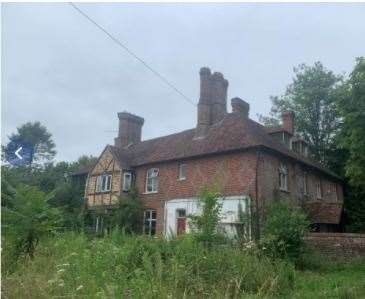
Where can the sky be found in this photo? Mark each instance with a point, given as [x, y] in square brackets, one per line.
[61, 70]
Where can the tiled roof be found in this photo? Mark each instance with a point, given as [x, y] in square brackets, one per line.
[324, 212]
[233, 132]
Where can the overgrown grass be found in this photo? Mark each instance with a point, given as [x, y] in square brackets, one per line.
[121, 266]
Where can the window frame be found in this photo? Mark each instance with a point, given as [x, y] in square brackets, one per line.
[319, 195]
[181, 174]
[283, 177]
[103, 183]
[153, 180]
[152, 222]
[126, 188]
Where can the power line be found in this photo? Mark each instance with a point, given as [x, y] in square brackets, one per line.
[118, 42]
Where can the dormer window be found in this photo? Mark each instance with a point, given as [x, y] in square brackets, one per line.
[103, 183]
[152, 180]
[127, 181]
[283, 178]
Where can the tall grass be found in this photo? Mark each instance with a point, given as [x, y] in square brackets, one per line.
[122, 266]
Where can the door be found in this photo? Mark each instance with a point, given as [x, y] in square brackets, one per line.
[180, 221]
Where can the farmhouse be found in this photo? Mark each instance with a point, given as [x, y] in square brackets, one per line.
[250, 163]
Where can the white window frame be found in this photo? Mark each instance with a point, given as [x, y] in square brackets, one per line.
[319, 190]
[152, 180]
[127, 181]
[182, 171]
[283, 177]
[148, 217]
[103, 183]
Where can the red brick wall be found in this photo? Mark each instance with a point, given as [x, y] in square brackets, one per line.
[337, 244]
[234, 173]
[268, 181]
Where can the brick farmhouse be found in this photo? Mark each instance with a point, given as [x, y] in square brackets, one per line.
[251, 164]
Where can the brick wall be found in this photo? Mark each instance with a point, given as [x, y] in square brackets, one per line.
[234, 173]
[337, 244]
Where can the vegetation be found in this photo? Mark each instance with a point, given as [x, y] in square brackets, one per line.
[29, 219]
[283, 232]
[205, 225]
[329, 111]
[38, 137]
[121, 265]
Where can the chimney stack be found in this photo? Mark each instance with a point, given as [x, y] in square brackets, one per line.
[288, 121]
[130, 129]
[241, 107]
[212, 106]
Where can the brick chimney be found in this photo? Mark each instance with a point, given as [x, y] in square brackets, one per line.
[288, 121]
[212, 106]
[241, 107]
[130, 129]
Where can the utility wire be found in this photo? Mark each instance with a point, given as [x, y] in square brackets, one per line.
[118, 42]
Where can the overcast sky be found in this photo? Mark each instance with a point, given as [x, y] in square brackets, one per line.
[59, 69]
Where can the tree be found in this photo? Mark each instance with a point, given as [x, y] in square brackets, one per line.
[38, 137]
[352, 108]
[312, 96]
[352, 141]
[29, 219]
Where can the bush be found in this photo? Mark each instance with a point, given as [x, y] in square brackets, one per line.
[29, 219]
[205, 225]
[283, 231]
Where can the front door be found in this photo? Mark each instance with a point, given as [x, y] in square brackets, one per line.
[180, 221]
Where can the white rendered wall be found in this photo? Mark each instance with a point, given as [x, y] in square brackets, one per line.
[229, 213]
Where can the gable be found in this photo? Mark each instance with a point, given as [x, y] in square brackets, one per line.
[107, 162]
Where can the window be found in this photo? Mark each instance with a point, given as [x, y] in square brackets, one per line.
[103, 183]
[283, 178]
[334, 191]
[319, 190]
[127, 181]
[182, 171]
[152, 180]
[305, 183]
[149, 227]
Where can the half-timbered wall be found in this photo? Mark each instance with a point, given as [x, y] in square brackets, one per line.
[106, 165]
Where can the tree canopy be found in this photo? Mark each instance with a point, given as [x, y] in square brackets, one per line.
[312, 95]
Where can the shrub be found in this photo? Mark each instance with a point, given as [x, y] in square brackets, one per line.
[205, 225]
[128, 215]
[283, 231]
[29, 219]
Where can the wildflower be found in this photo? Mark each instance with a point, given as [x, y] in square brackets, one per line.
[79, 287]
[73, 253]
[61, 271]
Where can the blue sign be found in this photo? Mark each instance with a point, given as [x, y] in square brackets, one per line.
[19, 153]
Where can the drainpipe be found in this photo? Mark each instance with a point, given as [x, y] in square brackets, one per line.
[257, 233]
